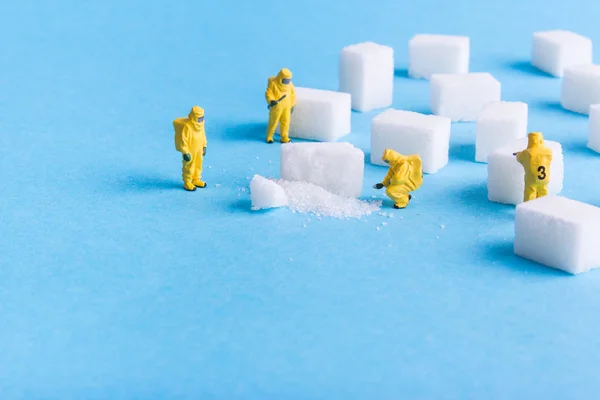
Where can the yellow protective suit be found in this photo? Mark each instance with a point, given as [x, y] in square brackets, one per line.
[281, 112]
[536, 161]
[404, 176]
[190, 138]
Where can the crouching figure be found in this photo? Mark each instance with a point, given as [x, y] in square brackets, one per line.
[405, 175]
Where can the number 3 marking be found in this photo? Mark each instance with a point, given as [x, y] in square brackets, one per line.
[542, 170]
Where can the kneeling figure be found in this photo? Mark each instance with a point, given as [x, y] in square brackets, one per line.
[405, 175]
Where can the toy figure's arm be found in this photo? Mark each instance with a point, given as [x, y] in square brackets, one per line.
[293, 95]
[388, 177]
[185, 140]
[269, 95]
[520, 156]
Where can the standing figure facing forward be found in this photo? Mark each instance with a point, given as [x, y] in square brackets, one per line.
[536, 161]
[190, 140]
[281, 99]
[404, 176]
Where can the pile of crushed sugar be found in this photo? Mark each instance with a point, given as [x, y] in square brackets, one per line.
[307, 198]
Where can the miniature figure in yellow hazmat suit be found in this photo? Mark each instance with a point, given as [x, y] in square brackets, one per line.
[404, 176]
[190, 140]
[536, 161]
[281, 99]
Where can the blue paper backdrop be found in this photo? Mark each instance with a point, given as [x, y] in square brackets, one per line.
[117, 284]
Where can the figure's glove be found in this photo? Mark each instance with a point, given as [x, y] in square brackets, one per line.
[514, 154]
[378, 186]
[187, 157]
[204, 151]
[273, 103]
[292, 111]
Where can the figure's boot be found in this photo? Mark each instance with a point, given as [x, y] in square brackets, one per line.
[198, 183]
[189, 186]
[402, 201]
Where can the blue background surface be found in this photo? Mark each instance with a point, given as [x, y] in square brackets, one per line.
[116, 283]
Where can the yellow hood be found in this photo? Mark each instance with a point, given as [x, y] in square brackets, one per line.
[193, 116]
[535, 139]
[283, 74]
[392, 156]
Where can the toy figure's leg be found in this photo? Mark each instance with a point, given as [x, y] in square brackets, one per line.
[197, 172]
[187, 174]
[274, 116]
[285, 124]
[542, 191]
[399, 195]
[530, 193]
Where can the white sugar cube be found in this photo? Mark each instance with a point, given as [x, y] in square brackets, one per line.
[498, 124]
[580, 88]
[321, 115]
[266, 194]
[367, 73]
[558, 232]
[506, 177]
[594, 128]
[553, 51]
[437, 54]
[409, 132]
[461, 97]
[337, 167]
